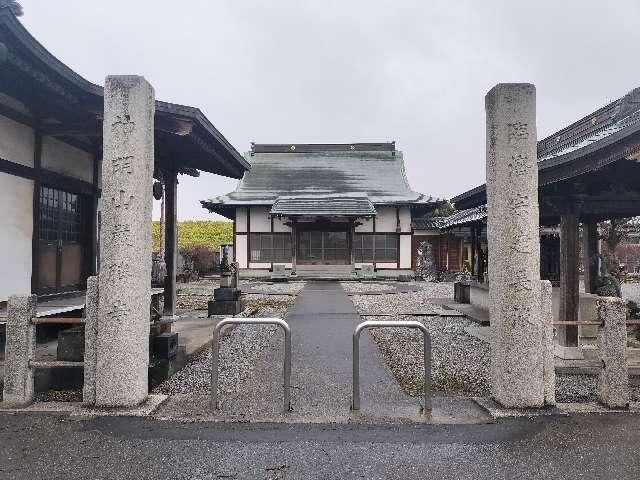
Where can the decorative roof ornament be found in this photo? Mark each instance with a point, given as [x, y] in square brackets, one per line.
[12, 5]
[627, 105]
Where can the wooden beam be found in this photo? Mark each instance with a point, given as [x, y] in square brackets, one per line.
[63, 129]
[569, 279]
[173, 125]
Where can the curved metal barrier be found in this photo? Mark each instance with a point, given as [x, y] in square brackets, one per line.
[355, 405]
[252, 321]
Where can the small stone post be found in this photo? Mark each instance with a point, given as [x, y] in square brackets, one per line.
[90, 338]
[613, 378]
[548, 347]
[122, 343]
[19, 349]
[517, 366]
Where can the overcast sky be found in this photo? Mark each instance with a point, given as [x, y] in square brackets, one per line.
[353, 71]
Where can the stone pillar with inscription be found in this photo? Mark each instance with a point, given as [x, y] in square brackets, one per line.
[122, 344]
[517, 365]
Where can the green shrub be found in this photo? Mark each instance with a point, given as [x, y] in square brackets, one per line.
[608, 286]
[204, 258]
[197, 232]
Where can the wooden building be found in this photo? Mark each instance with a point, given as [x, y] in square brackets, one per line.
[323, 208]
[588, 172]
[50, 167]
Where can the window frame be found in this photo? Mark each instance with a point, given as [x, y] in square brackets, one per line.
[379, 244]
[272, 247]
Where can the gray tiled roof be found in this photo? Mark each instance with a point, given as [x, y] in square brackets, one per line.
[378, 175]
[343, 205]
[462, 217]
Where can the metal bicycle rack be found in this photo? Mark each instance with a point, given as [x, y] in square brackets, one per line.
[252, 321]
[427, 358]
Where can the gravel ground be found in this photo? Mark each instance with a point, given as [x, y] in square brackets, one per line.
[195, 295]
[359, 287]
[435, 290]
[238, 351]
[285, 288]
[460, 362]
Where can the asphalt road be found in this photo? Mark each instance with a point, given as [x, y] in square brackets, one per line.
[50, 447]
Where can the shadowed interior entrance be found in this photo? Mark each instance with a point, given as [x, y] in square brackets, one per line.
[323, 247]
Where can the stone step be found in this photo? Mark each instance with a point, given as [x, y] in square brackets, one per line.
[332, 272]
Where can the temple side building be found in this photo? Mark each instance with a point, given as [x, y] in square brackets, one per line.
[323, 208]
[51, 165]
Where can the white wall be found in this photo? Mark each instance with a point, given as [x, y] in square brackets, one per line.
[241, 220]
[241, 250]
[386, 219]
[16, 198]
[67, 160]
[405, 219]
[279, 226]
[405, 251]
[367, 225]
[259, 220]
[16, 142]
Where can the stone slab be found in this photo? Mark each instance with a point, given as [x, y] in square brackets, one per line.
[513, 236]
[71, 345]
[498, 411]
[226, 294]
[125, 238]
[225, 308]
[77, 409]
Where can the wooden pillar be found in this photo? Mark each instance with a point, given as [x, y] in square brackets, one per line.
[350, 243]
[93, 224]
[171, 242]
[474, 266]
[294, 245]
[569, 280]
[35, 236]
[480, 254]
[590, 255]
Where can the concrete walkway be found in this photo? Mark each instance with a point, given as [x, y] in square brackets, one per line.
[322, 321]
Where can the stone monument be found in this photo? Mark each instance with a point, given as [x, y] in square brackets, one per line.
[122, 343]
[613, 377]
[90, 338]
[517, 360]
[21, 343]
[226, 298]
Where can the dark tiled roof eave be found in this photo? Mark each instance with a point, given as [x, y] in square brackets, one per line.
[337, 206]
[457, 219]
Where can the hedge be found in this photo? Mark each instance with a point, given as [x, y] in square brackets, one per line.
[197, 232]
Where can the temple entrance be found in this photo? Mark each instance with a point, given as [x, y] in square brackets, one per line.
[62, 241]
[323, 247]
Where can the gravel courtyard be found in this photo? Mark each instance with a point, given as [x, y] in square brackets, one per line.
[240, 346]
[460, 361]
